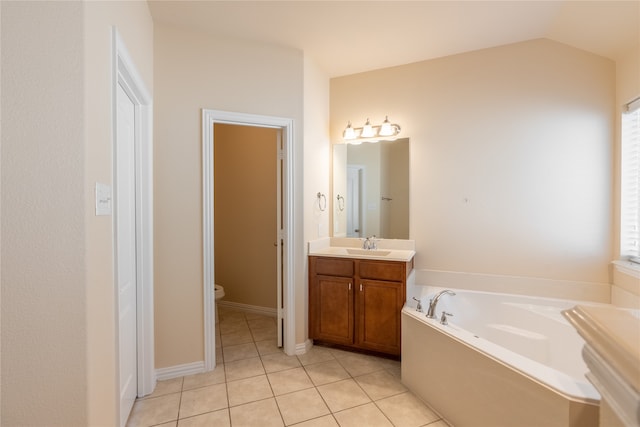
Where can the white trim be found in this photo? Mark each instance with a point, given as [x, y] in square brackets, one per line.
[180, 370]
[209, 118]
[124, 73]
[247, 308]
[627, 267]
[304, 347]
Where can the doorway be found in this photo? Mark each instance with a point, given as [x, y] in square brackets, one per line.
[285, 238]
[246, 215]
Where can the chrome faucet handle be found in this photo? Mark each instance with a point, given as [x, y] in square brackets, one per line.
[366, 244]
[419, 307]
[443, 318]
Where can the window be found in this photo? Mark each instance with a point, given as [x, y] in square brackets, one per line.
[630, 182]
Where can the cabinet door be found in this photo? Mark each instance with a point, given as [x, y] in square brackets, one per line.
[379, 304]
[332, 316]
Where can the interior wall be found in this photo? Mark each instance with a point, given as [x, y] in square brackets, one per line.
[511, 157]
[245, 213]
[393, 185]
[195, 71]
[314, 169]
[44, 347]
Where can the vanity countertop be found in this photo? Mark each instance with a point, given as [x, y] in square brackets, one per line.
[342, 247]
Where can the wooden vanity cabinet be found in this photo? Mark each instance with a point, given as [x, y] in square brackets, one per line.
[357, 302]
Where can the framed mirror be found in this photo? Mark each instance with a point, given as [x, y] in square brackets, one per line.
[371, 189]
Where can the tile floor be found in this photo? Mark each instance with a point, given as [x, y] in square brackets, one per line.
[256, 384]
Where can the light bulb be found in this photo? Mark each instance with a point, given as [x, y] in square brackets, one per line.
[367, 130]
[349, 132]
[386, 129]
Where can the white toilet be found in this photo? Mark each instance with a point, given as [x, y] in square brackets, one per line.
[218, 295]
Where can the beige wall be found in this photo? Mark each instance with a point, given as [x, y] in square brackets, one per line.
[195, 71]
[511, 157]
[44, 346]
[58, 329]
[245, 213]
[312, 174]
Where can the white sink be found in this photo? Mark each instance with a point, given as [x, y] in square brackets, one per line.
[368, 252]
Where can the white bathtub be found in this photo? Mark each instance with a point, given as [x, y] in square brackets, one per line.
[502, 360]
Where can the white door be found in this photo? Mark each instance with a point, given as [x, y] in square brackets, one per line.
[125, 231]
[353, 202]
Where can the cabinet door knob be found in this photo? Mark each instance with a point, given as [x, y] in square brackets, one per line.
[349, 285]
[360, 287]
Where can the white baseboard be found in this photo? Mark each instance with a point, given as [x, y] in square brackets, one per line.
[247, 308]
[520, 285]
[304, 347]
[179, 370]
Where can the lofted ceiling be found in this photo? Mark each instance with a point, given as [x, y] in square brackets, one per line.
[347, 37]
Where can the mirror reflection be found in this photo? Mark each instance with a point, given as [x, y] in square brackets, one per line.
[371, 189]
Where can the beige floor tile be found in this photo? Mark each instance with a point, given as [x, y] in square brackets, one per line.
[248, 390]
[169, 424]
[237, 338]
[204, 379]
[262, 322]
[263, 413]
[439, 423]
[395, 371]
[240, 351]
[244, 368]
[263, 334]
[157, 410]
[251, 316]
[337, 353]
[173, 385]
[326, 372]
[279, 362]
[217, 418]
[230, 316]
[343, 395]
[269, 346]
[201, 400]
[219, 356]
[360, 364]
[301, 406]
[316, 355]
[406, 410]
[227, 328]
[326, 421]
[366, 415]
[289, 381]
[380, 384]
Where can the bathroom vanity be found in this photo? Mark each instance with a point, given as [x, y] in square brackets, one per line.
[356, 300]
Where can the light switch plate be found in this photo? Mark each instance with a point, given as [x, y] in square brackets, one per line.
[103, 199]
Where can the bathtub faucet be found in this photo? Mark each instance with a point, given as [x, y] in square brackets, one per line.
[431, 312]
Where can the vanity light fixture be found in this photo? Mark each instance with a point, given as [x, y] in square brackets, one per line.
[387, 131]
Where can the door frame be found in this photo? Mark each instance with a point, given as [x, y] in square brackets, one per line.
[125, 74]
[209, 118]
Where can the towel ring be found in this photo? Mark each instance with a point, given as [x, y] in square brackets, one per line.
[322, 201]
[340, 203]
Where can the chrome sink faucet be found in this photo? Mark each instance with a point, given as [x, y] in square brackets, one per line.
[431, 312]
[370, 243]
